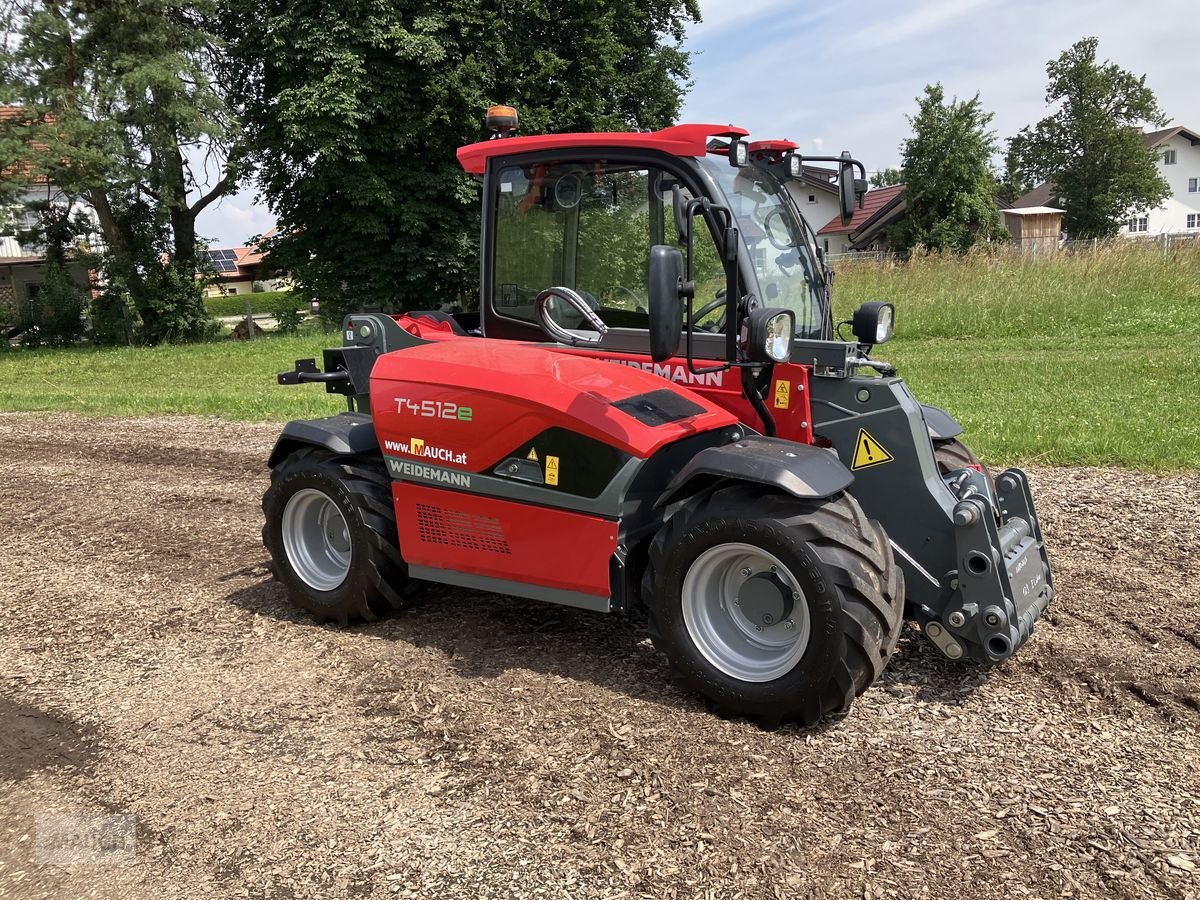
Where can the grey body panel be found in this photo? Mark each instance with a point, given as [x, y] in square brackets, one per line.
[797, 469]
[346, 433]
[513, 588]
[985, 612]
[942, 426]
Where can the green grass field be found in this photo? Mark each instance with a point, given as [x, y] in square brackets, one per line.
[1080, 360]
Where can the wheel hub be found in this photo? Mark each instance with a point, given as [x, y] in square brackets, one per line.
[745, 612]
[316, 539]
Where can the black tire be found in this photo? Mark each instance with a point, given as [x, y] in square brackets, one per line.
[843, 563]
[361, 490]
[953, 454]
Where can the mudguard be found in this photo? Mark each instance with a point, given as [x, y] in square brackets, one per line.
[797, 469]
[942, 426]
[346, 433]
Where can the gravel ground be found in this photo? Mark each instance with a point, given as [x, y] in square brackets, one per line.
[479, 746]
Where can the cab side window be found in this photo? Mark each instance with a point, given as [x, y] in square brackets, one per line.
[589, 227]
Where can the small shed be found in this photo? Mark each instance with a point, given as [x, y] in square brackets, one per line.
[1035, 229]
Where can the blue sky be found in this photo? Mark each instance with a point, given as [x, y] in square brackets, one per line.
[836, 77]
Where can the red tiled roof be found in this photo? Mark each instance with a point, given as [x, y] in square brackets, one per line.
[873, 203]
[21, 168]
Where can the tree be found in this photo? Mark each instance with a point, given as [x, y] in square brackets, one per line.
[950, 191]
[1090, 149]
[120, 98]
[886, 177]
[355, 110]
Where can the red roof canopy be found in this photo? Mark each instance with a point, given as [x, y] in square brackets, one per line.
[678, 140]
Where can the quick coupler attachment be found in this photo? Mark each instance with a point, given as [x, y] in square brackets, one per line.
[1003, 582]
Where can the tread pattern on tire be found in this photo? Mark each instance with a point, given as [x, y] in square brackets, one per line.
[367, 483]
[855, 552]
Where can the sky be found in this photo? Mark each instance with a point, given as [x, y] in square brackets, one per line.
[835, 77]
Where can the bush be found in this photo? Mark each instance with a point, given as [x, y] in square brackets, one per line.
[290, 321]
[273, 302]
[55, 315]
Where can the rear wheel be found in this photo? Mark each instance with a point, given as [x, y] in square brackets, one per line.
[331, 531]
[774, 608]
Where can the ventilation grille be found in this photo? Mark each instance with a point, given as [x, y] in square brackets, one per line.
[460, 529]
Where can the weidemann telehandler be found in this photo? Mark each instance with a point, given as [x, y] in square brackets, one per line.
[651, 410]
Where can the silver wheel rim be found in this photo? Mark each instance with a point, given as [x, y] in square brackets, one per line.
[316, 539]
[745, 612]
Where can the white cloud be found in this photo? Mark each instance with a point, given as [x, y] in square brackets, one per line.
[233, 220]
[922, 20]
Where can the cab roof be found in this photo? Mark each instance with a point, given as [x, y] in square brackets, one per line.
[678, 140]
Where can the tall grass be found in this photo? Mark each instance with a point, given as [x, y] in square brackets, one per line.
[1121, 288]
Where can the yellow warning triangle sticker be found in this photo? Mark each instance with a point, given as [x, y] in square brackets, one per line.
[868, 452]
[532, 455]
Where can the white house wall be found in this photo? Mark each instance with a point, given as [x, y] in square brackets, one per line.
[1171, 217]
[818, 212]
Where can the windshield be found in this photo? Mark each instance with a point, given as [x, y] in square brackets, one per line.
[776, 239]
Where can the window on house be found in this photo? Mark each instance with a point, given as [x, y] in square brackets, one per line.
[1193, 185]
[1137, 223]
[1169, 158]
[229, 292]
[812, 198]
[1193, 220]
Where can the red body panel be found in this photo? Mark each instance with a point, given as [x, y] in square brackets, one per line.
[789, 403]
[503, 539]
[470, 402]
[679, 140]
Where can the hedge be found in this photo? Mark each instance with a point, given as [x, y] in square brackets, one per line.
[273, 302]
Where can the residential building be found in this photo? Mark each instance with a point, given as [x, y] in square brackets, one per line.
[1178, 150]
[239, 268]
[816, 194]
[23, 265]
[867, 228]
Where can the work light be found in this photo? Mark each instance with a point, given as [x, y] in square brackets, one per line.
[795, 165]
[739, 153]
[872, 322]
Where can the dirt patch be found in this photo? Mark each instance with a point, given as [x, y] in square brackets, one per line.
[481, 746]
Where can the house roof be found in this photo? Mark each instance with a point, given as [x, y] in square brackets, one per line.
[1154, 138]
[20, 168]
[876, 203]
[1039, 196]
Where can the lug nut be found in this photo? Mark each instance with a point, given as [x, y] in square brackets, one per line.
[956, 619]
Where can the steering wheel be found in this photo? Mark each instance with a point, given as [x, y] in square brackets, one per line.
[710, 306]
[780, 240]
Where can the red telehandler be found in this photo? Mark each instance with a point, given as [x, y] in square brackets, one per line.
[651, 409]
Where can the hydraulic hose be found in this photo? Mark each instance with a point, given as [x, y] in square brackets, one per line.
[750, 389]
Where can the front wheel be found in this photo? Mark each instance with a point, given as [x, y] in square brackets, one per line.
[774, 608]
[331, 531]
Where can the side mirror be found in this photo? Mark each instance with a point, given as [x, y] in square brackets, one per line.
[666, 301]
[767, 335]
[848, 187]
[563, 295]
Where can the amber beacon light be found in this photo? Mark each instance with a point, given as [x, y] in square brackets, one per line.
[502, 120]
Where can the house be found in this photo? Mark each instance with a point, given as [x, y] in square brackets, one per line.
[23, 265]
[1178, 150]
[238, 269]
[867, 228]
[815, 193]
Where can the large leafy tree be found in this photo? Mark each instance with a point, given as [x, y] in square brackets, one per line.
[355, 110]
[123, 110]
[950, 191]
[1091, 149]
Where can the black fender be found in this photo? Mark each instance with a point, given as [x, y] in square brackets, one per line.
[346, 433]
[798, 469]
[942, 426]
